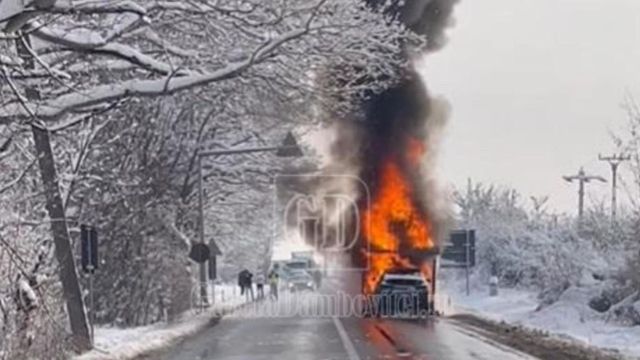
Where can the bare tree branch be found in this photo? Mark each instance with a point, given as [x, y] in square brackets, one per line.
[19, 178]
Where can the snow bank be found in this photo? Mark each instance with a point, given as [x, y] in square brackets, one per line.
[569, 316]
[127, 343]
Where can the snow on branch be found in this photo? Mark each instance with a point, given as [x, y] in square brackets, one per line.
[154, 38]
[135, 57]
[182, 45]
[26, 295]
[105, 93]
[94, 43]
[10, 61]
[104, 7]
[54, 108]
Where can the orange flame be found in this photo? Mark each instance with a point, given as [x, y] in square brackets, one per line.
[393, 225]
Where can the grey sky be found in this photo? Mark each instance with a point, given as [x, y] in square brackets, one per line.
[536, 86]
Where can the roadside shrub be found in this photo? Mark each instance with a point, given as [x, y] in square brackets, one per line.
[524, 247]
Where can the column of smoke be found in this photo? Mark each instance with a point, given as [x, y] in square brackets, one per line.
[403, 110]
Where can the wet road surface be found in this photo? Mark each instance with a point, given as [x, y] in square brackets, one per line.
[283, 334]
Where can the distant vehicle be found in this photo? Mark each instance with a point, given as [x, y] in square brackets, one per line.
[402, 293]
[299, 280]
[299, 264]
[303, 260]
[283, 271]
[302, 254]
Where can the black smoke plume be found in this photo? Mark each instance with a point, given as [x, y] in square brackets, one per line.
[389, 120]
[426, 17]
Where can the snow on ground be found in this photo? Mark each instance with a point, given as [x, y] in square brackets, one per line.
[127, 343]
[569, 317]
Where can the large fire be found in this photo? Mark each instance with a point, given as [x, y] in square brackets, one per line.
[395, 230]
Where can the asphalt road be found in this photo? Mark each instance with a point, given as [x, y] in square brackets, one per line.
[271, 330]
[298, 338]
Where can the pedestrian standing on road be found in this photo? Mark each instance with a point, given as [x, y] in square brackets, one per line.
[273, 283]
[241, 281]
[250, 283]
[249, 286]
[244, 280]
[260, 284]
[317, 278]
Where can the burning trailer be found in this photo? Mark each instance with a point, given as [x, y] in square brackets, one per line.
[398, 231]
[390, 144]
[408, 214]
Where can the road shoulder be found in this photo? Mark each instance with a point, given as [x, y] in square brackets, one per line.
[534, 342]
[147, 342]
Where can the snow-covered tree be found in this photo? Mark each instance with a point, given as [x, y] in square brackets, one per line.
[627, 225]
[523, 247]
[86, 55]
[231, 73]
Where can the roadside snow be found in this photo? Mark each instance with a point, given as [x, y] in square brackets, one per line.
[569, 317]
[127, 343]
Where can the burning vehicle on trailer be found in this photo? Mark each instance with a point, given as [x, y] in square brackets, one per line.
[406, 291]
[401, 292]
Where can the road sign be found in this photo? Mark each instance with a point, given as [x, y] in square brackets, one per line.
[89, 248]
[289, 147]
[199, 253]
[213, 247]
[213, 268]
[460, 252]
[213, 264]
[461, 249]
[89, 262]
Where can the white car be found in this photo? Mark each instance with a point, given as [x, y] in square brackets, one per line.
[299, 280]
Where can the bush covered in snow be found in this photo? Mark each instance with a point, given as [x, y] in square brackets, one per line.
[527, 247]
[522, 247]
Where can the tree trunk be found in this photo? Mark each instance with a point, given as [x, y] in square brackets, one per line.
[64, 255]
[60, 232]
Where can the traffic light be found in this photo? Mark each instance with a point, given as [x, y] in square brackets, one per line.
[89, 248]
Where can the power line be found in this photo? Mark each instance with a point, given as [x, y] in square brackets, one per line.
[614, 160]
[582, 178]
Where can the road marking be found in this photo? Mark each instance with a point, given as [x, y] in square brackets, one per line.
[348, 345]
[400, 351]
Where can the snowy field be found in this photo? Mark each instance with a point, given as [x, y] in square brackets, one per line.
[127, 343]
[570, 317]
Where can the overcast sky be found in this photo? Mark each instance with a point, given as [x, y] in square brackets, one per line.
[536, 87]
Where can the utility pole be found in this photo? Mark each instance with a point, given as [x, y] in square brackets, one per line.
[67, 273]
[582, 179]
[289, 148]
[614, 160]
